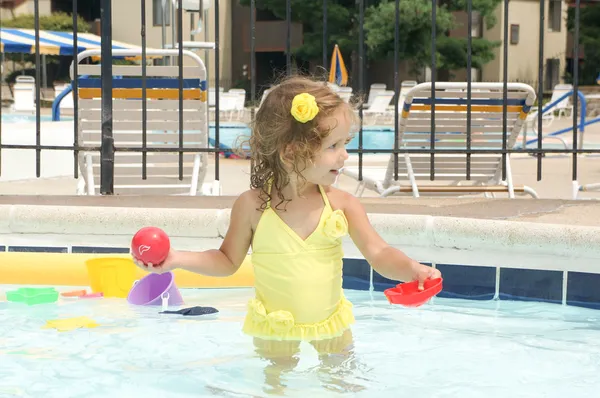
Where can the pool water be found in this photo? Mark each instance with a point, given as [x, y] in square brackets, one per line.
[373, 138]
[235, 135]
[27, 118]
[448, 348]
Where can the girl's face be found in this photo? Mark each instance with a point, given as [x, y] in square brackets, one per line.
[326, 165]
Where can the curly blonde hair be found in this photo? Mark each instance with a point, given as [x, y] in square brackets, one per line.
[274, 129]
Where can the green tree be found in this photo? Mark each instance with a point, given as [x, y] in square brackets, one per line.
[589, 38]
[342, 18]
[415, 33]
[415, 29]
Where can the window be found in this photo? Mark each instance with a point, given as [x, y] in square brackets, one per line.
[476, 24]
[555, 15]
[552, 73]
[514, 34]
[157, 12]
[266, 15]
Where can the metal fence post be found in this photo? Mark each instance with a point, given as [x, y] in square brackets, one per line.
[107, 151]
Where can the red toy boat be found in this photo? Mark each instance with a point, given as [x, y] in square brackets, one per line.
[409, 295]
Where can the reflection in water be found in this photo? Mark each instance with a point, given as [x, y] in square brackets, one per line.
[338, 368]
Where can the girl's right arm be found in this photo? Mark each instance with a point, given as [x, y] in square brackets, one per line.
[228, 258]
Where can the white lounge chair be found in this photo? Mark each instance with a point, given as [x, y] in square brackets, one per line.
[565, 105]
[379, 110]
[24, 94]
[374, 90]
[345, 93]
[162, 128]
[239, 103]
[450, 133]
[212, 100]
[228, 105]
[263, 97]
[405, 87]
[594, 187]
[531, 123]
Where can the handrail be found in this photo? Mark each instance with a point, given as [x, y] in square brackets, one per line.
[581, 125]
[56, 103]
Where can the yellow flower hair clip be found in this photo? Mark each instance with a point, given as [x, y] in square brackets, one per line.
[304, 107]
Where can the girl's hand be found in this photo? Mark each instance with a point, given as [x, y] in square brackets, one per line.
[423, 273]
[165, 266]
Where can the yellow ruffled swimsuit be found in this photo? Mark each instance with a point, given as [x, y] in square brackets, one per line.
[298, 282]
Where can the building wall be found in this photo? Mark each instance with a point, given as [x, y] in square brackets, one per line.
[126, 27]
[523, 57]
[555, 43]
[492, 71]
[270, 45]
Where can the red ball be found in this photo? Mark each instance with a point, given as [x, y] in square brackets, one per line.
[150, 245]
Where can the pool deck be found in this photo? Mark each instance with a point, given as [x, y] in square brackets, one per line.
[551, 211]
[554, 190]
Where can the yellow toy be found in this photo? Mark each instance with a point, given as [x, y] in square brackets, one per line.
[68, 324]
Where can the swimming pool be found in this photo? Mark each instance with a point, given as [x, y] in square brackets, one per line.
[375, 137]
[511, 338]
[232, 135]
[11, 118]
[447, 348]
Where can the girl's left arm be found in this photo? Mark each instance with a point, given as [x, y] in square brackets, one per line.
[386, 260]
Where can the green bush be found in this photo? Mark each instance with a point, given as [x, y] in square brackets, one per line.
[58, 21]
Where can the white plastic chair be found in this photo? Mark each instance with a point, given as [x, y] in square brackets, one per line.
[24, 94]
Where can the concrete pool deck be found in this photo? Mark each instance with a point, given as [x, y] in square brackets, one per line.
[546, 211]
[454, 232]
[554, 189]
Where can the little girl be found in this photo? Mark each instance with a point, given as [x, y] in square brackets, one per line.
[294, 221]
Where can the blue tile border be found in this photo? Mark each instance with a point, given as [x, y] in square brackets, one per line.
[356, 274]
[478, 282]
[380, 282]
[583, 290]
[354, 283]
[37, 249]
[468, 281]
[99, 250]
[472, 282]
[531, 285]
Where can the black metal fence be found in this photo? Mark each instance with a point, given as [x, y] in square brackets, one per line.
[107, 148]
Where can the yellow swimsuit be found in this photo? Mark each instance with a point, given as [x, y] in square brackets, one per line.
[298, 282]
